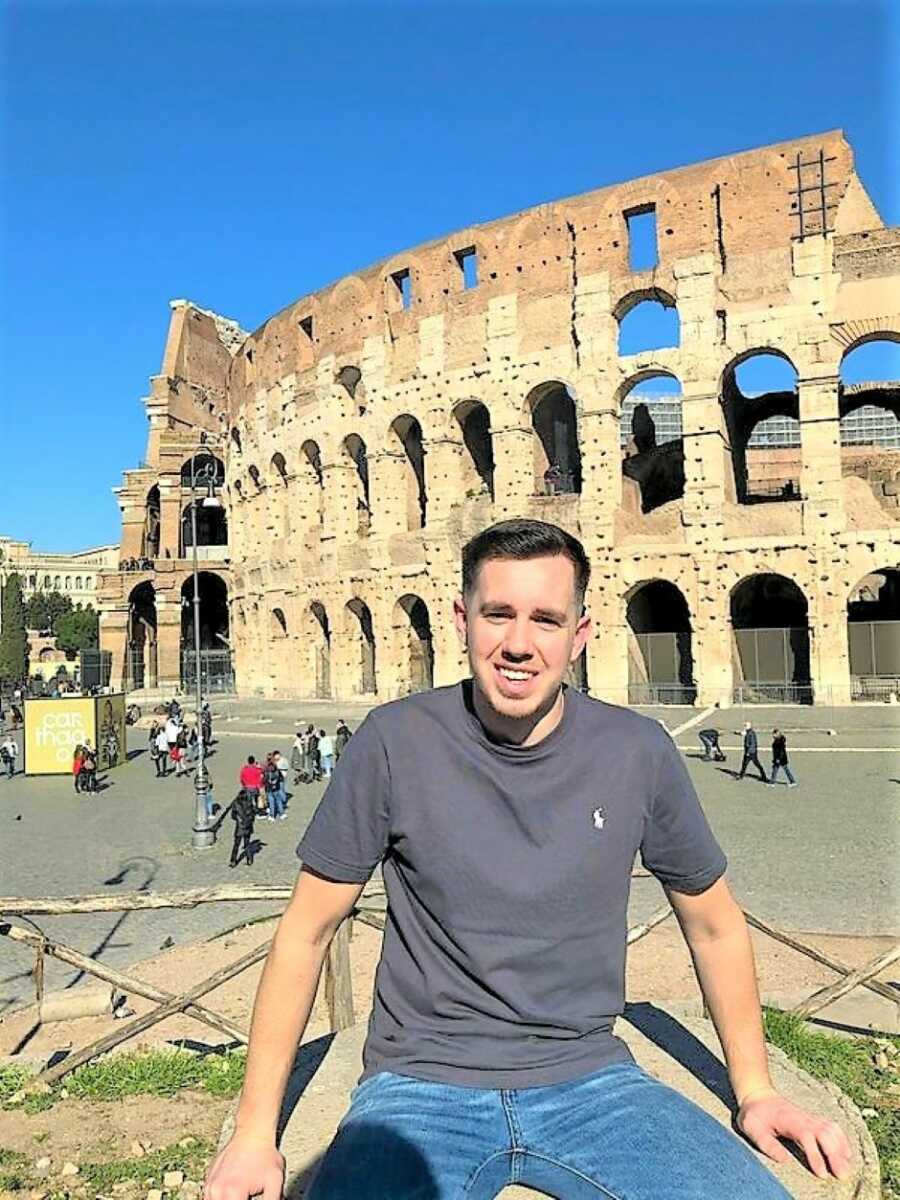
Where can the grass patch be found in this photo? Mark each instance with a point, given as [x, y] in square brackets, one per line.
[856, 1065]
[144, 1073]
[192, 1160]
[13, 1170]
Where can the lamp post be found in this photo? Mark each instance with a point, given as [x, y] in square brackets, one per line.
[203, 835]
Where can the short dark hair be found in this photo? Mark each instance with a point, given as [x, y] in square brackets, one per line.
[522, 539]
[250, 758]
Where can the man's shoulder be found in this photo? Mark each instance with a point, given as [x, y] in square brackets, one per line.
[614, 720]
[402, 717]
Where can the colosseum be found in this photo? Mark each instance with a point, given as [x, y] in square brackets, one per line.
[330, 465]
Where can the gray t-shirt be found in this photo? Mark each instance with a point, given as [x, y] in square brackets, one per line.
[507, 871]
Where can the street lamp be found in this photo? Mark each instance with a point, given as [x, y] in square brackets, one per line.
[203, 835]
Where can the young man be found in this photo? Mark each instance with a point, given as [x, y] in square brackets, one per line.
[251, 780]
[506, 812]
[243, 813]
[780, 758]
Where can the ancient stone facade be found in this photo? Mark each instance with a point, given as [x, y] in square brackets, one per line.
[370, 429]
[76, 575]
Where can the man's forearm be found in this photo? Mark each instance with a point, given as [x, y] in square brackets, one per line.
[284, 1000]
[727, 976]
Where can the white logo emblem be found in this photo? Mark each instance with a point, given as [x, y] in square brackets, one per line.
[599, 818]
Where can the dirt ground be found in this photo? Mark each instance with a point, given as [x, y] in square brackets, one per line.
[659, 970]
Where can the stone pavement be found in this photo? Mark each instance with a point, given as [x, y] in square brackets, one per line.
[801, 858]
[682, 1052]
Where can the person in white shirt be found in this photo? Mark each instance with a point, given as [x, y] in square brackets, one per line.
[326, 753]
[171, 731]
[162, 750]
[9, 751]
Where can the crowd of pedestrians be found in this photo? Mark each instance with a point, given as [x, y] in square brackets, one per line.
[263, 791]
[709, 740]
[173, 743]
[84, 767]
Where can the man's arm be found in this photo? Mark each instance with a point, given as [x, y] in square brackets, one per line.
[251, 1164]
[719, 941]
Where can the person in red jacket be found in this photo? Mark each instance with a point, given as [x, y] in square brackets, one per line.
[251, 778]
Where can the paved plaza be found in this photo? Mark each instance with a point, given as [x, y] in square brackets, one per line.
[821, 857]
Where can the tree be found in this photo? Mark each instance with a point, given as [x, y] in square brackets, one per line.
[37, 612]
[13, 639]
[78, 630]
[57, 606]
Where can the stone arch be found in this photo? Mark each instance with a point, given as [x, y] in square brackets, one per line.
[213, 595]
[212, 527]
[68, 583]
[256, 478]
[477, 460]
[648, 320]
[760, 476]
[235, 435]
[278, 623]
[406, 434]
[313, 478]
[660, 644]
[320, 648]
[206, 470]
[279, 466]
[651, 439]
[350, 378]
[361, 636]
[141, 655]
[771, 646]
[413, 644]
[355, 449]
[78, 583]
[873, 635]
[557, 453]
[151, 532]
[869, 407]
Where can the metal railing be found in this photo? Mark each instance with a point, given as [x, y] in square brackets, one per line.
[775, 692]
[661, 693]
[885, 688]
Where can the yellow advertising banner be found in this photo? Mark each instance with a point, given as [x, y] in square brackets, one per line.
[53, 728]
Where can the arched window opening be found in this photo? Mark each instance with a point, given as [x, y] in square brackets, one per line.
[869, 403]
[140, 667]
[314, 480]
[413, 645]
[769, 619]
[650, 434]
[478, 451]
[348, 377]
[279, 623]
[253, 472]
[215, 647]
[647, 321]
[150, 536]
[205, 470]
[362, 633]
[873, 636]
[47, 581]
[78, 583]
[355, 449]
[408, 432]
[321, 649]
[212, 529]
[557, 456]
[280, 467]
[56, 582]
[68, 583]
[236, 438]
[660, 645]
[761, 408]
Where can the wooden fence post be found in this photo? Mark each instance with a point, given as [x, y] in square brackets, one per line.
[338, 981]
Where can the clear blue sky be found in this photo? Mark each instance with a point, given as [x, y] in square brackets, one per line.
[245, 154]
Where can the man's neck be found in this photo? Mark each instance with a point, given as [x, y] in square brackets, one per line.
[527, 731]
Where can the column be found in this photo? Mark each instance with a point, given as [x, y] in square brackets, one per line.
[513, 471]
[820, 457]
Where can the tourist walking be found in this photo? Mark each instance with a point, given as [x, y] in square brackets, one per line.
[709, 740]
[9, 751]
[251, 780]
[326, 753]
[780, 758]
[179, 751]
[77, 763]
[751, 753]
[206, 723]
[273, 784]
[243, 813]
[162, 753]
[88, 773]
[298, 756]
[488, 1059]
[172, 726]
[314, 762]
[342, 736]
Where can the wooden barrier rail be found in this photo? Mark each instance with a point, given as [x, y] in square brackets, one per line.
[337, 983]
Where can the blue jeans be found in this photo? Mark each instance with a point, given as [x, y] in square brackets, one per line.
[776, 767]
[617, 1134]
[277, 801]
[327, 765]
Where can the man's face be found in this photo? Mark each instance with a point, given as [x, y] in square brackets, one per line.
[522, 630]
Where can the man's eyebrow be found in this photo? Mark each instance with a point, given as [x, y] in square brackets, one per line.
[503, 606]
[553, 613]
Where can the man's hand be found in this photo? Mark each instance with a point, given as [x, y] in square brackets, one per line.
[246, 1167]
[765, 1116]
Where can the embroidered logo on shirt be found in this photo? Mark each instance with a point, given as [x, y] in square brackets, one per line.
[599, 818]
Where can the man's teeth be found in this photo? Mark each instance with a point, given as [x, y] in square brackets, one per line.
[517, 675]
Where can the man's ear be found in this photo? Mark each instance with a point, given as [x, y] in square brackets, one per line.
[460, 620]
[582, 633]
